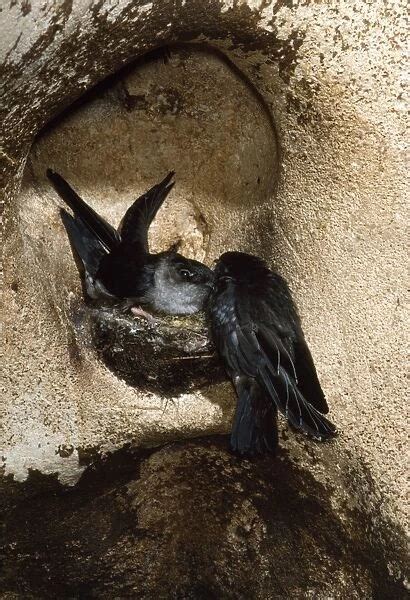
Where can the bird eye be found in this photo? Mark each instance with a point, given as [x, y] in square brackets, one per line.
[185, 274]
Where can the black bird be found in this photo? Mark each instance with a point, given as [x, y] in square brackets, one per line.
[118, 266]
[257, 332]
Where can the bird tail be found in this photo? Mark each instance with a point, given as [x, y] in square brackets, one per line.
[290, 401]
[136, 221]
[98, 228]
[254, 429]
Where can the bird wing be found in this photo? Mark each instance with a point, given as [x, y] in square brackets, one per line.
[88, 247]
[277, 371]
[134, 226]
[308, 381]
[276, 311]
[253, 347]
[97, 226]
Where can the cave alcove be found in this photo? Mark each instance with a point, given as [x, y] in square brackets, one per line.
[330, 218]
[194, 113]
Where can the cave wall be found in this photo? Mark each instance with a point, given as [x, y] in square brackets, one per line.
[330, 219]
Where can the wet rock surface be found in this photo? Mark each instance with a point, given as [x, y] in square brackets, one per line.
[190, 521]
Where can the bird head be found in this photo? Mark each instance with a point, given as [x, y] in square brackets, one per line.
[181, 285]
[187, 270]
[237, 265]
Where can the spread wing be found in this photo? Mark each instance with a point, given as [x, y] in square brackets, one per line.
[98, 227]
[88, 247]
[134, 226]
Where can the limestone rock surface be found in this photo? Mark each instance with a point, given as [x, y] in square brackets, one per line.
[286, 124]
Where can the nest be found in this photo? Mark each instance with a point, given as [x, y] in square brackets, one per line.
[170, 356]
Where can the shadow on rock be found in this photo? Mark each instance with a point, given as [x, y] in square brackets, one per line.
[188, 521]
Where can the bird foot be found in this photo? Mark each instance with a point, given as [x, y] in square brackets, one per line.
[139, 312]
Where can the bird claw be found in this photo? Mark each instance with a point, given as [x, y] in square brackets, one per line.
[137, 311]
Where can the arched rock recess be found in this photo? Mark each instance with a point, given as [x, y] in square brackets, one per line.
[330, 77]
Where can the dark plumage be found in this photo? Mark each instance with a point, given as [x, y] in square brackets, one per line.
[118, 266]
[257, 331]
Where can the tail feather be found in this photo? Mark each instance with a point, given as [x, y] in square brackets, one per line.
[254, 429]
[136, 221]
[99, 227]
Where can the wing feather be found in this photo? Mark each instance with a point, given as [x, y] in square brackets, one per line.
[98, 227]
[259, 351]
[134, 226]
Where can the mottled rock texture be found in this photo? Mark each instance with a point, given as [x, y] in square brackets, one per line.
[191, 521]
[285, 123]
